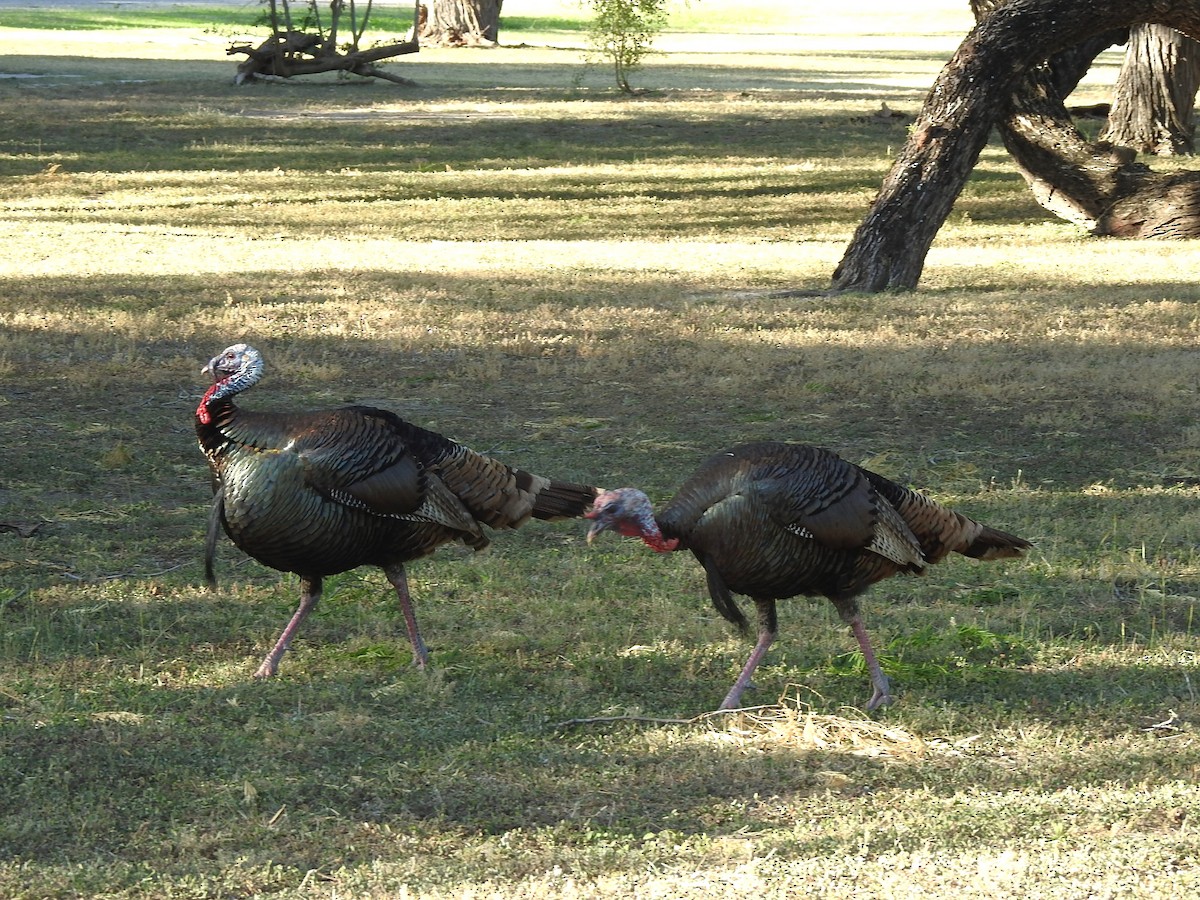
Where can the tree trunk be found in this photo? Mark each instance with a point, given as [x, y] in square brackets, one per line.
[970, 95]
[462, 23]
[1153, 108]
[1097, 186]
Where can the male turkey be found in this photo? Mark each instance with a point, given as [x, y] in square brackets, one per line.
[317, 493]
[773, 520]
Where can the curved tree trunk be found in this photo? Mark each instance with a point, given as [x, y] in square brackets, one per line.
[1097, 186]
[1153, 108]
[462, 23]
[970, 95]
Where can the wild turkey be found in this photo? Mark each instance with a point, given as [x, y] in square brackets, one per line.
[773, 520]
[317, 493]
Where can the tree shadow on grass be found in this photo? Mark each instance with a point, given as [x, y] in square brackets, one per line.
[76, 458]
[502, 71]
[155, 125]
[125, 733]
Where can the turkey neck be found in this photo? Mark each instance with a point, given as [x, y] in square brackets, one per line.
[215, 412]
[217, 402]
[219, 421]
[227, 425]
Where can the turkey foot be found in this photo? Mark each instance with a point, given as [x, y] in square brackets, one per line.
[882, 695]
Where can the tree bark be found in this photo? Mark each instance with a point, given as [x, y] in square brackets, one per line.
[462, 23]
[1153, 108]
[970, 95]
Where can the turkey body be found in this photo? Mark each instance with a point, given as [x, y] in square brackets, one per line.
[326, 492]
[318, 493]
[774, 520]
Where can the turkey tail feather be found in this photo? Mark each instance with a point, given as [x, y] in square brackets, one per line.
[563, 500]
[941, 530]
[992, 543]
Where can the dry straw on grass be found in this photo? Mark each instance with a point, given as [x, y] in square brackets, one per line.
[794, 724]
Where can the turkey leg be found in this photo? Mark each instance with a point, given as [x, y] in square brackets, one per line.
[883, 691]
[399, 580]
[310, 593]
[734, 697]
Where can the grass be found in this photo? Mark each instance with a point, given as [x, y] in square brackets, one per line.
[518, 256]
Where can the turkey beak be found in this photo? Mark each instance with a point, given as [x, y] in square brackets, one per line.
[214, 369]
[599, 524]
[211, 369]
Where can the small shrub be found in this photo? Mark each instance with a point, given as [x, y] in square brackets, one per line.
[623, 31]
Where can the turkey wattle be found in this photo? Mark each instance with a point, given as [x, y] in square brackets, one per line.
[317, 493]
[775, 520]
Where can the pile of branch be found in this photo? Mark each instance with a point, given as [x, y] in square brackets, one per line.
[289, 52]
[283, 55]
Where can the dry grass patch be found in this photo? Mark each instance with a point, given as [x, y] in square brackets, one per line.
[794, 724]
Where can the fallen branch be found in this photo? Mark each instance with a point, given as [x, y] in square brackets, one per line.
[287, 53]
[115, 576]
[651, 720]
[285, 57]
